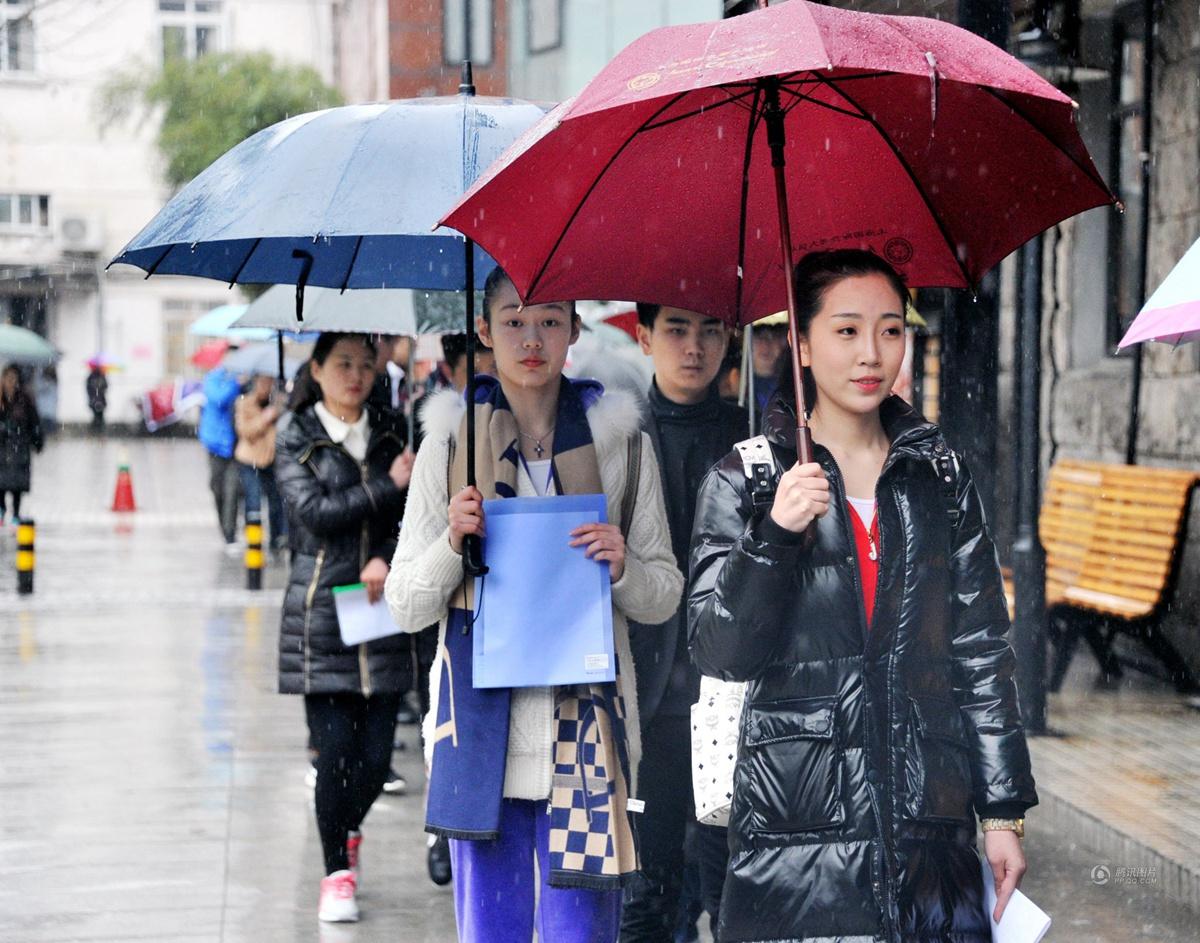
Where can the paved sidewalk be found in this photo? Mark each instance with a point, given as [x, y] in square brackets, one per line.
[1121, 773]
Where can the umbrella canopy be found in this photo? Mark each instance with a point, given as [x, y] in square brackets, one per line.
[259, 360]
[19, 345]
[348, 197]
[1172, 315]
[367, 311]
[219, 322]
[904, 135]
[209, 354]
[105, 361]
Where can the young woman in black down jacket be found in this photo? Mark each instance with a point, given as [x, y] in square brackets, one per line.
[343, 471]
[863, 604]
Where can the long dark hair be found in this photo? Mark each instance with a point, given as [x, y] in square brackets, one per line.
[814, 275]
[306, 391]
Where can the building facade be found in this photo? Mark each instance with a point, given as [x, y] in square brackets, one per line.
[74, 189]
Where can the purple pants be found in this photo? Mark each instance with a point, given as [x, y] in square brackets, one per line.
[494, 888]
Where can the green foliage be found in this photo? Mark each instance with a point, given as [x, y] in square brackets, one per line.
[211, 103]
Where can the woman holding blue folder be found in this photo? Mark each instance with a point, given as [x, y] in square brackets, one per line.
[539, 774]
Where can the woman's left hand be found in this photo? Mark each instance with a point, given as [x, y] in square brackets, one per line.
[603, 542]
[372, 576]
[1007, 860]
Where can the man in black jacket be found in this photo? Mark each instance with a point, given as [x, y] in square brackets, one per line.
[692, 428]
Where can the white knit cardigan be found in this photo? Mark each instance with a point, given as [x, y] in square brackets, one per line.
[426, 570]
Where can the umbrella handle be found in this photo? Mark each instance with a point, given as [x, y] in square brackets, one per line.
[472, 547]
[306, 265]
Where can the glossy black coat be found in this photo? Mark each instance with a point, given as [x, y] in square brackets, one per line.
[341, 513]
[864, 754]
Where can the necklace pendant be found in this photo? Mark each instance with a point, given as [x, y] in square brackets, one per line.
[538, 450]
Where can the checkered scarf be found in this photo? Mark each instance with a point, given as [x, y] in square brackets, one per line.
[591, 838]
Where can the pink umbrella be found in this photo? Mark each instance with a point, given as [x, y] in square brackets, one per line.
[1172, 315]
[704, 158]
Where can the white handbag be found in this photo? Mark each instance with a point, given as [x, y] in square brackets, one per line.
[716, 728]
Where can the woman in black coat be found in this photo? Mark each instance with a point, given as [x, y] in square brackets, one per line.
[863, 603]
[20, 437]
[342, 470]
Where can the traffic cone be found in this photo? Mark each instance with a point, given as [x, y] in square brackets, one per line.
[123, 495]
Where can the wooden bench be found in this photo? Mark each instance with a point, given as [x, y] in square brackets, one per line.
[1111, 535]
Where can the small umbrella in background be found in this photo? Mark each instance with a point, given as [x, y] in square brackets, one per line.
[1172, 313]
[105, 362]
[209, 354]
[258, 360]
[19, 345]
[219, 322]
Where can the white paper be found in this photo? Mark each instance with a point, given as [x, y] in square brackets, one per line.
[1023, 920]
[358, 620]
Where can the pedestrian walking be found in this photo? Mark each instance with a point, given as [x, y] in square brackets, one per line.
[96, 387]
[221, 390]
[46, 397]
[343, 469]
[512, 770]
[861, 598]
[692, 429]
[20, 437]
[254, 418]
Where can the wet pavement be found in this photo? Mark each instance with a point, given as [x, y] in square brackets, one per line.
[151, 781]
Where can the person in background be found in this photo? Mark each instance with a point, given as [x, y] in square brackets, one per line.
[20, 437]
[343, 470]
[47, 398]
[254, 418]
[97, 397]
[770, 343]
[216, 434]
[691, 428]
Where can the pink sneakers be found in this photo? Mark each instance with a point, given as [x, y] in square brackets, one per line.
[338, 904]
[353, 846]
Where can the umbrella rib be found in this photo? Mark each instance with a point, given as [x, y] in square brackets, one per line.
[911, 176]
[752, 126]
[157, 262]
[245, 261]
[800, 98]
[562, 233]
[731, 100]
[350, 268]
[1095, 178]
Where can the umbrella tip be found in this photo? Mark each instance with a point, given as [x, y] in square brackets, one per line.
[466, 85]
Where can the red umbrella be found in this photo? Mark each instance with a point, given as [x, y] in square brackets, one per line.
[670, 176]
[210, 353]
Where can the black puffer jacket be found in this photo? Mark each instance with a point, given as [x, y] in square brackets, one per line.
[20, 437]
[863, 752]
[340, 515]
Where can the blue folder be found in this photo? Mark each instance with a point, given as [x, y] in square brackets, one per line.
[543, 612]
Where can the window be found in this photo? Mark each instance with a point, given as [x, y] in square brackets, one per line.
[16, 36]
[24, 212]
[462, 18]
[178, 342]
[544, 25]
[190, 28]
[1126, 142]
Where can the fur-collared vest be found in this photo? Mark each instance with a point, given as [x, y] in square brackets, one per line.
[426, 570]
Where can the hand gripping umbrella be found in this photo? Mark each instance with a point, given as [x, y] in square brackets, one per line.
[904, 135]
[348, 197]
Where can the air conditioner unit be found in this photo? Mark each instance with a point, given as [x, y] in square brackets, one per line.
[81, 232]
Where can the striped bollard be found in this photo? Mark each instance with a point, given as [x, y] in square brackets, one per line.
[254, 550]
[25, 556]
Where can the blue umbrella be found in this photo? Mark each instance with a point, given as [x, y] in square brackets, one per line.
[258, 360]
[219, 322]
[343, 198]
[348, 197]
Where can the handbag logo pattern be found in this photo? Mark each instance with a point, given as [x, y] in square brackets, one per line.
[716, 729]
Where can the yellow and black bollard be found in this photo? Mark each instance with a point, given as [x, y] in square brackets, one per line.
[254, 550]
[25, 557]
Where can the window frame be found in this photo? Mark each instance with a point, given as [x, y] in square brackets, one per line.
[490, 19]
[558, 32]
[192, 20]
[12, 11]
[40, 207]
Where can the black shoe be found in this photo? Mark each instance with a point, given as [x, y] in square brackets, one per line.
[438, 860]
